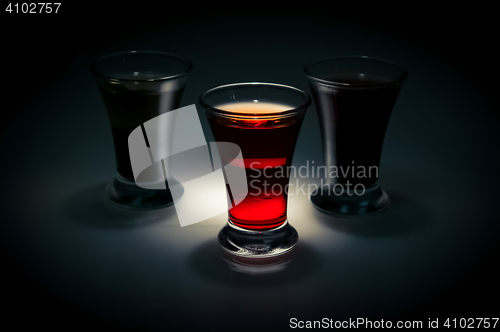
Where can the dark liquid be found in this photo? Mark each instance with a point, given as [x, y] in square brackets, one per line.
[353, 126]
[264, 144]
[128, 110]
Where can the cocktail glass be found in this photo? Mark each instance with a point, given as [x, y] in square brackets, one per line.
[354, 97]
[264, 120]
[137, 86]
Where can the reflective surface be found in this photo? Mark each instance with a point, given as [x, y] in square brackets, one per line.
[76, 261]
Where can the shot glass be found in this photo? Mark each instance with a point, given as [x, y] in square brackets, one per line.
[264, 120]
[137, 86]
[354, 97]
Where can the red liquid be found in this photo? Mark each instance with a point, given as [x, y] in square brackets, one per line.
[267, 147]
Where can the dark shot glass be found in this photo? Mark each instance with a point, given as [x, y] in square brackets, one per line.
[137, 86]
[264, 120]
[354, 97]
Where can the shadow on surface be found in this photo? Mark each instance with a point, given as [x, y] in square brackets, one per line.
[89, 206]
[403, 216]
[211, 262]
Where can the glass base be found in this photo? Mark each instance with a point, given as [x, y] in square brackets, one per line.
[349, 204]
[258, 244]
[260, 266]
[126, 194]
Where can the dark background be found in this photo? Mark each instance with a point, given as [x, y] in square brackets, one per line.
[38, 49]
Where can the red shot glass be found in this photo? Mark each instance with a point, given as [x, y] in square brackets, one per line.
[264, 120]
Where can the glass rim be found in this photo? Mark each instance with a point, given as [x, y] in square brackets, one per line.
[398, 80]
[93, 66]
[214, 110]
